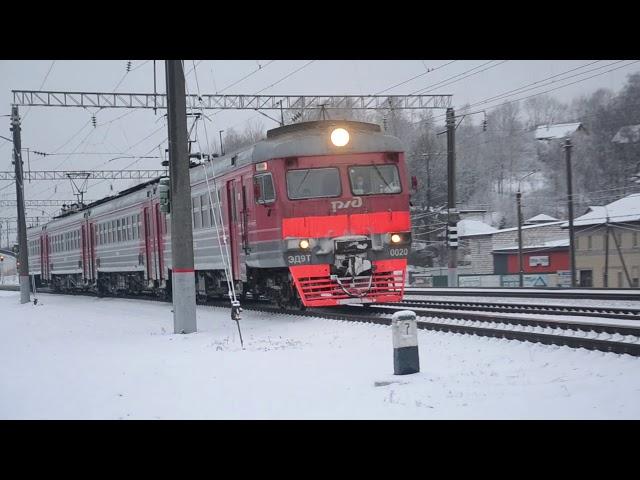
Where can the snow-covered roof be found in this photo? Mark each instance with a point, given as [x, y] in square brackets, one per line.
[470, 227]
[559, 130]
[535, 225]
[550, 244]
[626, 209]
[627, 134]
[541, 218]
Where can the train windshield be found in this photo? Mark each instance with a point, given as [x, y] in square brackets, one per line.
[374, 180]
[313, 183]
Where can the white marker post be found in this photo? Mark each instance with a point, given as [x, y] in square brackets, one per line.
[405, 343]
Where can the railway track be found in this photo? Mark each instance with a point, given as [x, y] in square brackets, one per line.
[539, 309]
[592, 336]
[561, 293]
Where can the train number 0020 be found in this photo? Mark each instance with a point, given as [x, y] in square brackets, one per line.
[398, 252]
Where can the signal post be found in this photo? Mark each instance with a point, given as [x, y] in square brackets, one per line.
[452, 212]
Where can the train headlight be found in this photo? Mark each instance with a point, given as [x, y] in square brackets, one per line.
[339, 137]
[395, 238]
[304, 244]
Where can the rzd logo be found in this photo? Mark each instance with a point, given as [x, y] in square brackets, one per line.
[355, 202]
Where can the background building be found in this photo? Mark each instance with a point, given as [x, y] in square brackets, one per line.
[620, 221]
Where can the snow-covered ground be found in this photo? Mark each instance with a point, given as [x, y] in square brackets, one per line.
[9, 280]
[8, 274]
[84, 357]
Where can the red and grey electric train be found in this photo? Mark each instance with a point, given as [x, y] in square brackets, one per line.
[317, 214]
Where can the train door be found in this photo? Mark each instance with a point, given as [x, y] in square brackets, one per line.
[244, 227]
[158, 233]
[85, 252]
[44, 256]
[235, 234]
[92, 251]
[264, 221]
[148, 244]
[245, 218]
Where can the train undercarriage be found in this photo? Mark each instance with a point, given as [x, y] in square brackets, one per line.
[274, 285]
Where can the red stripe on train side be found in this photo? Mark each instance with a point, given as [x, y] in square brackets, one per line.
[324, 226]
[380, 222]
[337, 225]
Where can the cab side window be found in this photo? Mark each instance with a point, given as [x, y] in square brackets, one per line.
[263, 188]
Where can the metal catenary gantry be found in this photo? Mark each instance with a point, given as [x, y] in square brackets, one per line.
[40, 203]
[92, 174]
[40, 98]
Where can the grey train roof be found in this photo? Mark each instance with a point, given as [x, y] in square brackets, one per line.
[310, 139]
[298, 139]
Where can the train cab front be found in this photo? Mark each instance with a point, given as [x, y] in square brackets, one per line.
[347, 229]
[346, 269]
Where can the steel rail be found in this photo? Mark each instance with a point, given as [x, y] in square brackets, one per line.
[611, 329]
[539, 309]
[375, 316]
[633, 294]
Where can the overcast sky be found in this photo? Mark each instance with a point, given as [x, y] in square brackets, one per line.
[140, 131]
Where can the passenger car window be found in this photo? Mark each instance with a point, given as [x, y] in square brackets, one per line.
[264, 183]
[205, 207]
[313, 183]
[197, 214]
[374, 180]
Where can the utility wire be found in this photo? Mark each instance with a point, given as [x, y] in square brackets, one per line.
[285, 77]
[86, 137]
[269, 86]
[227, 266]
[470, 75]
[523, 89]
[41, 86]
[413, 78]
[246, 76]
[534, 83]
[450, 78]
[549, 90]
[142, 64]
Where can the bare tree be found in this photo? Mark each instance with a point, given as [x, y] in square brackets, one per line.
[253, 132]
[544, 110]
